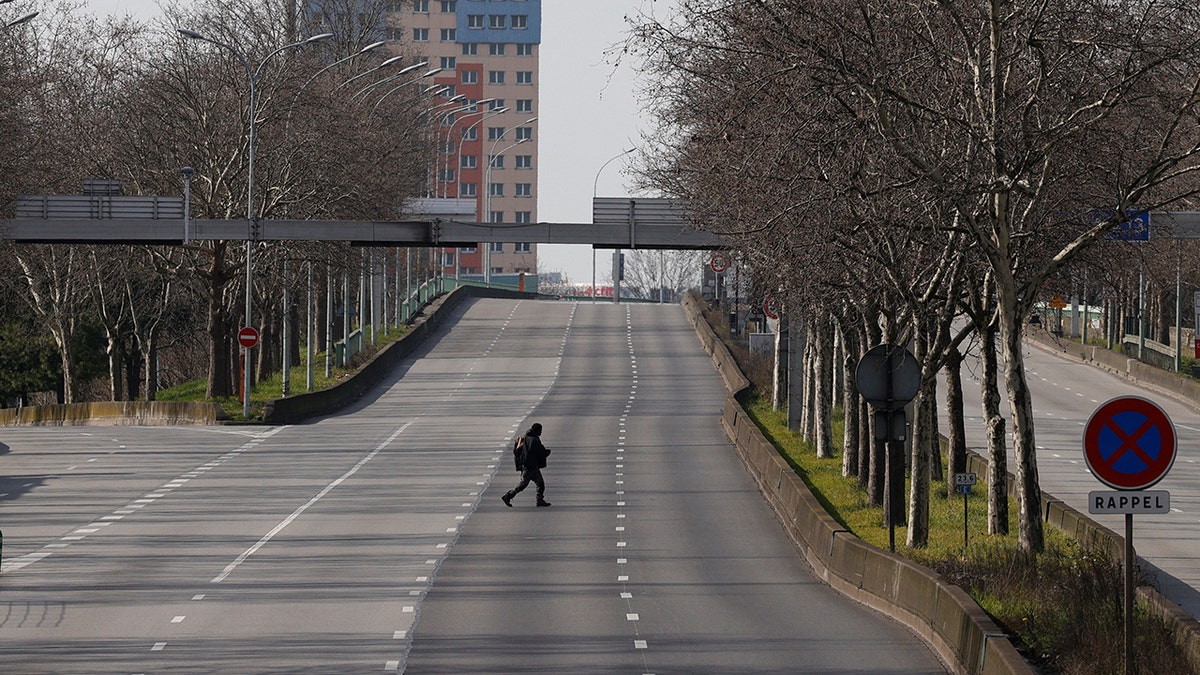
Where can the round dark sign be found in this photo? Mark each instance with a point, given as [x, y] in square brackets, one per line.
[1129, 443]
[888, 376]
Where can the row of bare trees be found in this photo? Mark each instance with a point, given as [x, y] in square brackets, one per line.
[82, 97]
[919, 172]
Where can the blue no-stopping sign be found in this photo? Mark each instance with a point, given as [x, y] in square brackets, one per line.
[1129, 443]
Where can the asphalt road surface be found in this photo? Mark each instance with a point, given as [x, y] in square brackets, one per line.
[1065, 394]
[376, 541]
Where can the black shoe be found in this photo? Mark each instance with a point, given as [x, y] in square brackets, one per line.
[507, 499]
[543, 503]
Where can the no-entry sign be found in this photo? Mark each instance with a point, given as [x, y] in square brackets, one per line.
[248, 337]
[1129, 443]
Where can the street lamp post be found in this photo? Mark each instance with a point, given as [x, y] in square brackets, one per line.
[187, 172]
[252, 76]
[19, 20]
[595, 191]
[487, 254]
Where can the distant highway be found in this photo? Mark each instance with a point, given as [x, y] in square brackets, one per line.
[1065, 394]
[375, 541]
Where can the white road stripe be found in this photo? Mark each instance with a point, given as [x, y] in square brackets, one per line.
[296, 514]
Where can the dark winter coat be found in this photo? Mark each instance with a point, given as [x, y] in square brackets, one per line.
[535, 452]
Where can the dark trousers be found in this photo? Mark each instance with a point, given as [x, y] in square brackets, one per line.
[531, 473]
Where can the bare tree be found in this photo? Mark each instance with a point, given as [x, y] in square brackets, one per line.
[989, 113]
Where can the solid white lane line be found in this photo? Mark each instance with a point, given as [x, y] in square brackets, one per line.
[296, 514]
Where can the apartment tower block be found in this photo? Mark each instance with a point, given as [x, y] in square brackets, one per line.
[488, 53]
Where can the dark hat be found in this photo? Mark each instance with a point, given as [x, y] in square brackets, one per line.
[536, 429]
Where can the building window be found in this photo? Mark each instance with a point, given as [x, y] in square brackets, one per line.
[496, 246]
[467, 190]
[496, 104]
[495, 133]
[447, 91]
[471, 134]
[524, 77]
[495, 77]
[524, 133]
[522, 247]
[524, 217]
[524, 161]
[420, 35]
[496, 49]
[470, 77]
[447, 259]
[448, 148]
[446, 176]
[497, 161]
[470, 49]
[525, 105]
[449, 34]
[448, 121]
[520, 21]
[467, 162]
[524, 49]
[497, 217]
[475, 21]
[421, 6]
[449, 6]
[497, 21]
[467, 249]
[448, 63]
[524, 189]
[496, 190]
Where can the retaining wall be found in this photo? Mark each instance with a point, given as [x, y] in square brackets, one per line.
[942, 614]
[114, 413]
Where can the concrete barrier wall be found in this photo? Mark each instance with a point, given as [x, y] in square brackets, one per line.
[1166, 381]
[114, 413]
[942, 614]
[299, 407]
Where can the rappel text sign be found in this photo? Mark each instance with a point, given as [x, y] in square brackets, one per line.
[1128, 501]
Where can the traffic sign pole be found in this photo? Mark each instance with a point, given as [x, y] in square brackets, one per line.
[1129, 559]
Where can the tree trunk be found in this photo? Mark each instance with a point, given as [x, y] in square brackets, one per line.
[937, 470]
[823, 390]
[997, 440]
[849, 404]
[1030, 536]
[919, 490]
[221, 364]
[779, 374]
[956, 445]
[116, 372]
[150, 355]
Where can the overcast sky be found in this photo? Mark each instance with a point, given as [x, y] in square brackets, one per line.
[588, 114]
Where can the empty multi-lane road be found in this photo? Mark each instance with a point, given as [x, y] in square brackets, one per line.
[375, 540]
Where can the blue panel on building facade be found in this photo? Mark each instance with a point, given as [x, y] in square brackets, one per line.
[478, 21]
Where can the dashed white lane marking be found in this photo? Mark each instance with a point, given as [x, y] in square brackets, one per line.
[158, 646]
[296, 514]
[178, 619]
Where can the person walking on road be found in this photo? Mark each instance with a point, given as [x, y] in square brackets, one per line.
[531, 459]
